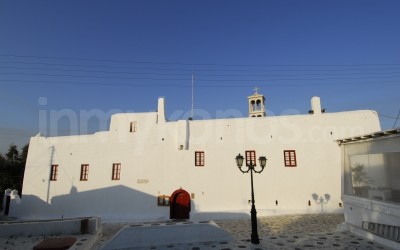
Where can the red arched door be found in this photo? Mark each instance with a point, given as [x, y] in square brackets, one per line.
[180, 205]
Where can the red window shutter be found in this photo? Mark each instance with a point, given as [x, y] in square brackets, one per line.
[290, 158]
[54, 172]
[199, 158]
[84, 172]
[251, 157]
[116, 171]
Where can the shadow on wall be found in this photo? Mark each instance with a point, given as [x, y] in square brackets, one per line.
[321, 200]
[111, 203]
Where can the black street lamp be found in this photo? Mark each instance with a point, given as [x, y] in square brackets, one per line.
[251, 168]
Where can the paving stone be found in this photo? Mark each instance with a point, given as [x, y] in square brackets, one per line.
[300, 232]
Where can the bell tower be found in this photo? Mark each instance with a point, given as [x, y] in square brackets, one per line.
[256, 104]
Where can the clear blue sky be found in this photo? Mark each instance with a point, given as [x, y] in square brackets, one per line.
[123, 55]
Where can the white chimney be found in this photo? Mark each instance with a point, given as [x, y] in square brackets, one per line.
[161, 110]
[316, 105]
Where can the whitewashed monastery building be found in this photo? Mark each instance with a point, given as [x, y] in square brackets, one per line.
[145, 167]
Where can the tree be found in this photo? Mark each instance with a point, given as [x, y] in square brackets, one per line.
[2, 161]
[24, 154]
[12, 154]
[12, 168]
[360, 177]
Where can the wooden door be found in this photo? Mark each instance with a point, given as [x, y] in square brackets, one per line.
[180, 204]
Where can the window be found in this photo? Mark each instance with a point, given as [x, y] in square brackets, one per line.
[290, 158]
[253, 105]
[133, 127]
[53, 172]
[163, 200]
[251, 157]
[199, 158]
[84, 172]
[116, 171]
[258, 105]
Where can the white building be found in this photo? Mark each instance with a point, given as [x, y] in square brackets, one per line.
[143, 161]
[371, 185]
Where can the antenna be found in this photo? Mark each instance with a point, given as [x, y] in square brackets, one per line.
[191, 117]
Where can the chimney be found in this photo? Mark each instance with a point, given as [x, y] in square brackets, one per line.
[161, 110]
[316, 105]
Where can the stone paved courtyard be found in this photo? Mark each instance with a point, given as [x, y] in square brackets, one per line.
[276, 232]
[296, 232]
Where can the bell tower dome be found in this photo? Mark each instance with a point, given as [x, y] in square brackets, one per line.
[256, 104]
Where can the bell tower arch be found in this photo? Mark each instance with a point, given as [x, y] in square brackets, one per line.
[256, 104]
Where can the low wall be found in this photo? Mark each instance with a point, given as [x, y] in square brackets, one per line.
[360, 210]
[48, 227]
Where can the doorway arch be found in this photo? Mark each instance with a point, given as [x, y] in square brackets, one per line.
[180, 204]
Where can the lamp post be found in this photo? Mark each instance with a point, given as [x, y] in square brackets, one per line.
[251, 168]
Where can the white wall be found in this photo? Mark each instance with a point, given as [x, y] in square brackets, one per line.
[153, 164]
